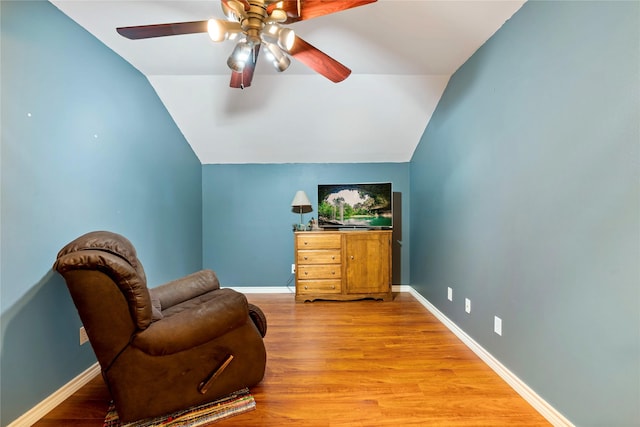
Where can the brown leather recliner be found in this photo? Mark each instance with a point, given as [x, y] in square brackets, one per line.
[163, 349]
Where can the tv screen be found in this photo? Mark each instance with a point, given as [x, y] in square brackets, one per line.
[355, 205]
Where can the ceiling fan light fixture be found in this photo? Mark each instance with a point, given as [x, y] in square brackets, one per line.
[284, 37]
[278, 58]
[222, 30]
[278, 15]
[239, 57]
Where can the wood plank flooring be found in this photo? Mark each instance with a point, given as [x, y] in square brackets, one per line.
[356, 364]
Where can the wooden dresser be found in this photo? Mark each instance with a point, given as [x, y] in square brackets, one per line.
[343, 265]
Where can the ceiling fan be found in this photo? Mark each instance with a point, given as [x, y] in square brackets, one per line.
[259, 23]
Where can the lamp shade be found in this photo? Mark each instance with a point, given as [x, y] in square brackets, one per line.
[222, 30]
[239, 57]
[300, 199]
[280, 61]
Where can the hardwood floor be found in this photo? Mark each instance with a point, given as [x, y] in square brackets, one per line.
[361, 363]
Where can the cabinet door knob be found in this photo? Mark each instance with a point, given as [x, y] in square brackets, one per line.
[351, 256]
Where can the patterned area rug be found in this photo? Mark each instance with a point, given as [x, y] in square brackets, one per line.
[233, 404]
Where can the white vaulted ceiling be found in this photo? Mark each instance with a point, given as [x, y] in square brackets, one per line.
[401, 53]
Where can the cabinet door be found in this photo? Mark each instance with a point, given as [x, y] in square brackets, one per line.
[368, 262]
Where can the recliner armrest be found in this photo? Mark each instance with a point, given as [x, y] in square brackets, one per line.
[190, 328]
[185, 288]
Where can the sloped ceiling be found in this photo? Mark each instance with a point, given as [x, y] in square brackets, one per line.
[401, 53]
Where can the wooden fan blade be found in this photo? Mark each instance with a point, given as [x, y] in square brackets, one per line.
[162, 30]
[314, 8]
[243, 79]
[319, 61]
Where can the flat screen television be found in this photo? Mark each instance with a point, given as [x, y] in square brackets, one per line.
[355, 205]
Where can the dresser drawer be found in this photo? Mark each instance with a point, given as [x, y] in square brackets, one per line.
[330, 271]
[319, 286]
[318, 240]
[321, 256]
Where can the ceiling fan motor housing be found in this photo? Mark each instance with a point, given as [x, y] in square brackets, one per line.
[253, 21]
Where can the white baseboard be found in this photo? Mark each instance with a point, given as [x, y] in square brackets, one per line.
[263, 289]
[292, 290]
[543, 407]
[539, 404]
[43, 408]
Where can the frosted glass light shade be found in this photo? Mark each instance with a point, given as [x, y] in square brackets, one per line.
[278, 58]
[222, 30]
[239, 57]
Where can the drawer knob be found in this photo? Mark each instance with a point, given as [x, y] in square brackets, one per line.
[351, 256]
[305, 258]
[333, 287]
[333, 257]
[306, 243]
[306, 272]
[333, 272]
[305, 286]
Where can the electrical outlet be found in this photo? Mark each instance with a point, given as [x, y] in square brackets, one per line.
[467, 305]
[450, 294]
[83, 335]
[293, 269]
[497, 325]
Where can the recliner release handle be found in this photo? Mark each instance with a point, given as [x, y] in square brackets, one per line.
[204, 385]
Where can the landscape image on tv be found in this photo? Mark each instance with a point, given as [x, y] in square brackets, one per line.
[355, 205]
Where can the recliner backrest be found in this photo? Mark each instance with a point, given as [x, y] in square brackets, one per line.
[110, 242]
[85, 253]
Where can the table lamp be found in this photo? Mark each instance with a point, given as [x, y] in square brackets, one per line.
[301, 204]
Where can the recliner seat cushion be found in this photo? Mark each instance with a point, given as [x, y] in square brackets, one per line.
[194, 322]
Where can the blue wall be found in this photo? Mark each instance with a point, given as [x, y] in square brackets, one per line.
[86, 145]
[247, 215]
[525, 199]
